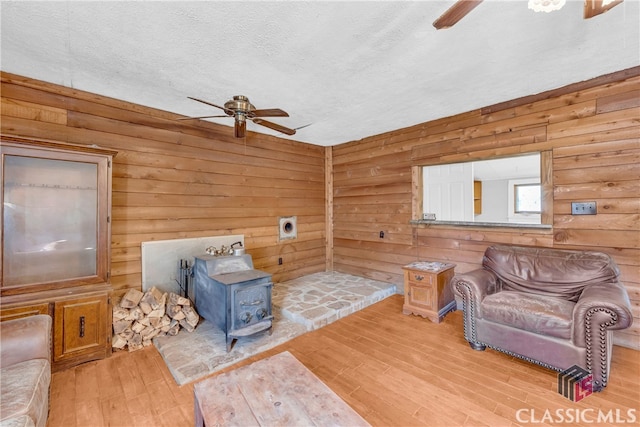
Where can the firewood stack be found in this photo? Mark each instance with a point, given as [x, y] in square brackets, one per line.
[139, 317]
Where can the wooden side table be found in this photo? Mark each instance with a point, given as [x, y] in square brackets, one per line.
[426, 289]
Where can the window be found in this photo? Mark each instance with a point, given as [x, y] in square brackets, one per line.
[524, 205]
[527, 198]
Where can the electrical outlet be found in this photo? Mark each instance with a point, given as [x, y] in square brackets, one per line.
[279, 261]
[382, 234]
[583, 208]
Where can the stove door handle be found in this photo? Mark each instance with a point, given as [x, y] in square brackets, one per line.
[248, 304]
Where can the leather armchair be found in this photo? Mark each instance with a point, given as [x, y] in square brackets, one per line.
[556, 308]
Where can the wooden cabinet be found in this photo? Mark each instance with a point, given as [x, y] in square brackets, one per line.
[426, 289]
[56, 241]
[81, 321]
[82, 329]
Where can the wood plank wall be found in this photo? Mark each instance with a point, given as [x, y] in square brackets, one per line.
[593, 131]
[182, 179]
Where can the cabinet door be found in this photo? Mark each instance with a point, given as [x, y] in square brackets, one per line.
[81, 327]
[55, 217]
[422, 297]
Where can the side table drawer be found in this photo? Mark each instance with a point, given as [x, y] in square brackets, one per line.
[421, 278]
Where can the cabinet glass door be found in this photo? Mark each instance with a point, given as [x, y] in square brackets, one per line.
[50, 220]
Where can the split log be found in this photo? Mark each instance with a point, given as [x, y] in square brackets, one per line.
[147, 331]
[191, 316]
[137, 327]
[156, 322]
[135, 343]
[135, 313]
[156, 298]
[120, 326]
[145, 307]
[118, 342]
[158, 312]
[186, 326]
[165, 323]
[179, 315]
[119, 312]
[127, 334]
[131, 298]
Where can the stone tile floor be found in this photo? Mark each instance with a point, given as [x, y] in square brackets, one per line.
[321, 298]
[299, 306]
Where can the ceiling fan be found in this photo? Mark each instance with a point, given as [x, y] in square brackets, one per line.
[242, 110]
[462, 7]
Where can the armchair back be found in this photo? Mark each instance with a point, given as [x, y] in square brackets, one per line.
[556, 273]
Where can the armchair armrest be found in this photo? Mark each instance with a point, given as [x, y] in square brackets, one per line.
[473, 286]
[601, 306]
[24, 339]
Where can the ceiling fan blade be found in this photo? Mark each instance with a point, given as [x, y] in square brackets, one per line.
[269, 112]
[455, 13]
[596, 7]
[226, 110]
[240, 128]
[199, 117]
[274, 126]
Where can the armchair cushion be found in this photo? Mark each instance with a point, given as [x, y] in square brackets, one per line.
[25, 390]
[531, 312]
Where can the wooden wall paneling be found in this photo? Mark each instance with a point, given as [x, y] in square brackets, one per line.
[576, 90]
[619, 101]
[31, 111]
[184, 179]
[590, 134]
[597, 123]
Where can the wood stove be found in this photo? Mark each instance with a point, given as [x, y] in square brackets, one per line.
[233, 295]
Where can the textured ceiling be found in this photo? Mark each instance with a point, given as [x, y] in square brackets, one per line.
[351, 69]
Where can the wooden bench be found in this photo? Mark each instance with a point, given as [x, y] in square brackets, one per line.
[278, 390]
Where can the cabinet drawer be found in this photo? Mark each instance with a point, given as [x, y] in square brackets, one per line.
[421, 278]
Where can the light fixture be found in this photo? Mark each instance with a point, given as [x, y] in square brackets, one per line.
[546, 5]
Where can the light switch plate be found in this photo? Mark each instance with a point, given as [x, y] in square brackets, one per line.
[583, 208]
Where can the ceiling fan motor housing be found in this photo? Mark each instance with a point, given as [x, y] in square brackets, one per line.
[239, 104]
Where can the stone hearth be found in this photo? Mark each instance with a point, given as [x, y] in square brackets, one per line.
[299, 305]
[321, 298]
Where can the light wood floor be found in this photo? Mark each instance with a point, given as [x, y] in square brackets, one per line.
[391, 368]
